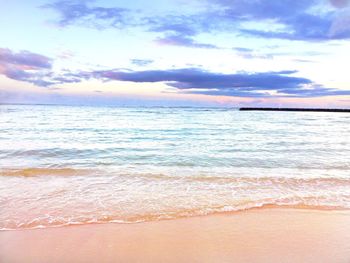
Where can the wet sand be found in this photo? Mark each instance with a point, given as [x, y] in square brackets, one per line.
[262, 235]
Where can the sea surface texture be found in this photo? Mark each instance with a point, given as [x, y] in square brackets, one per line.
[62, 165]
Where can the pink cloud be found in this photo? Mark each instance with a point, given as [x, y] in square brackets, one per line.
[23, 65]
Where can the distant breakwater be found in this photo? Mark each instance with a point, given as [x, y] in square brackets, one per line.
[293, 109]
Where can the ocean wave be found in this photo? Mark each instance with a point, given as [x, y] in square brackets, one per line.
[53, 197]
[169, 173]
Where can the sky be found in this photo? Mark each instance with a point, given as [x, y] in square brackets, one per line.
[228, 53]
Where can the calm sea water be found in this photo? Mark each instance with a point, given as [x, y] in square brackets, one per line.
[63, 165]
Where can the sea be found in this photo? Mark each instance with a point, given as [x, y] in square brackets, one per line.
[69, 165]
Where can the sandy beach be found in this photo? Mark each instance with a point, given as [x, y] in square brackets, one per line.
[260, 235]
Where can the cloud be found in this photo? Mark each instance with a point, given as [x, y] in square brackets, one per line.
[304, 27]
[306, 20]
[248, 53]
[340, 3]
[180, 30]
[289, 19]
[341, 24]
[65, 54]
[24, 59]
[261, 9]
[198, 81]
[79, 12]
[183, 41]
[176, 30]
[188, 25]
[24, 65]
[303, 60]
[36, 69]
[141, 62]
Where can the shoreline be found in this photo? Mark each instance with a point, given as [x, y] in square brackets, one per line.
[298, 207]
[259, 235]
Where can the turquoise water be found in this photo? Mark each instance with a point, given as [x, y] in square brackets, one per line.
[63, 165]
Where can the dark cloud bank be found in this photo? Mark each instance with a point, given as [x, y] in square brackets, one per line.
[199, 81]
